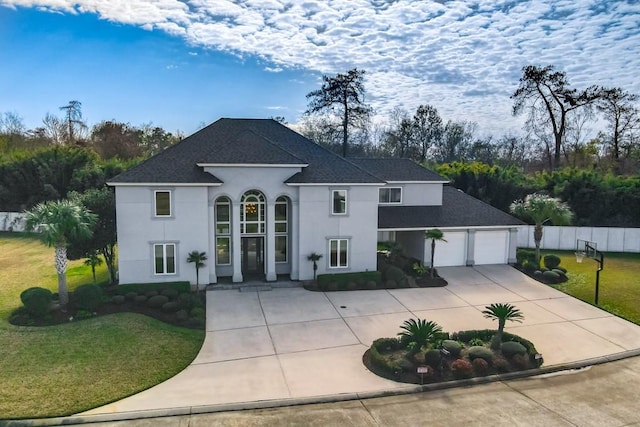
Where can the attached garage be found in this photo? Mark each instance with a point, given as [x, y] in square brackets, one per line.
[449, 253]
[491, 247]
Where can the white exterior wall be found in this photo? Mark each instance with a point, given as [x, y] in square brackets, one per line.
[317, 225]
[419, 194]
[138, 229]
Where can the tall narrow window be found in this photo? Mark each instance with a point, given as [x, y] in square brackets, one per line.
[165, 258]
[338, 253]
[252, 213]
[162, 201]
[390, 195]
[281, 228]
[339, 202]
[223, 231]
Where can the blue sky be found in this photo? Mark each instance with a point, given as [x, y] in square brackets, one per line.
[182, 64]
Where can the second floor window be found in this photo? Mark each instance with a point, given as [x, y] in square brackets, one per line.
[390, 195]
[162, 203]
[339, 202]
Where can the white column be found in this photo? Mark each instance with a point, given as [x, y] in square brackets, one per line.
[211, 262]
[236, 243]
[271, 242]
[294, 236]
[471, 247]
[513, 245]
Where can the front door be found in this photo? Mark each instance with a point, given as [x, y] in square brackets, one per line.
[253, 257]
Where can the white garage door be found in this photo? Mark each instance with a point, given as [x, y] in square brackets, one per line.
[452, 252]
[491, 247]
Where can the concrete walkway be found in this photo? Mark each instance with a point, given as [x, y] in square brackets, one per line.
[293, 344]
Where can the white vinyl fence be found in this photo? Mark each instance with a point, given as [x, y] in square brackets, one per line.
[608, 239]
[11, 221]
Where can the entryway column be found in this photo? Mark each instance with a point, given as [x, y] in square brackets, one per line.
[513, 245]
[212, 245]
[471, 247]
[271, 241]
[294, 254]
[236, 243]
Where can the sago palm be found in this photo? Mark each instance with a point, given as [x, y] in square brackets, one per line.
[418, 333]
[434, 235]
[501, 312]
[57, 224]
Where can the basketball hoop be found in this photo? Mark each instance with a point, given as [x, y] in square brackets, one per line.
[580, 256]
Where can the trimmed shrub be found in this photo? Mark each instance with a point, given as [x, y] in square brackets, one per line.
[478, 352]
[170, 293]
[562, 274]
[171, 306]
[529, 266]
[564, 270]
[182, 315]
[131, 295]
[150, 294]
[480, 367]
[461, 369]
[157, 301]
[511, 348]
[386, 345]
[520, 362]
[146, 287]
[197, 313]
[371, 285]
[118, 299]
[360, 277]
[537, 274]
[484, 335]
[473, 342]
[432, 357]
[500, 364]
[524, 254]
[453, 347]
[140, 299]
[397, 275]
[88, 297]
[550, 277]
[37, 301]
[551, 261]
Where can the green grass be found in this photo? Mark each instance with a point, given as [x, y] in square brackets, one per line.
[65, 369]
[619, 282]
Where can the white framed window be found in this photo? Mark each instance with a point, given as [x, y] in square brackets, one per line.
[252, 213]
[281, 248]
[390, 195]
[223, 231]
[162, 203]
[338, 253]
[164, 258]
[339, 202]
[281, 228]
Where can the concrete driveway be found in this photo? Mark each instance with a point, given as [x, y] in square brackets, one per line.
[288, 343]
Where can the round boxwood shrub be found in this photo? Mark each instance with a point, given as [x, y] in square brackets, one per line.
[480, 367]
[37, 301]
[551, 261]
[171, 306]
[537, 274]
[453, 347]
[562, 274]
[479, 352]
[396, 274]
[170, 293]
[140, 299]
[371, 285]
[550, 277]
[529, 266]
[511, 348]
[157, 301]
[118, 299]
[432, 357]
[88, 297]
[461, 368]
[197, 313]
[182, 315]
[150, 294]
[564, 270]
[131, 295]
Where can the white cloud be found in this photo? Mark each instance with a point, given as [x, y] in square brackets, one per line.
[463, 56]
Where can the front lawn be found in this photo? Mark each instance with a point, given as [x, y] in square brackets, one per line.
[619, 282]
[65, 369]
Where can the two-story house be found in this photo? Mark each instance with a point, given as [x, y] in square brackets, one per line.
[259, 198]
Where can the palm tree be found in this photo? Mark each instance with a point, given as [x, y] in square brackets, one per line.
[58, 223]
[314, 257]
[198, 259]
[93, 260]
[501, 312]
[418, 333]
[540, 208]
[434, 235]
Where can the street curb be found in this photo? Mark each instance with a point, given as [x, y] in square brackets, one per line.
[342, 397]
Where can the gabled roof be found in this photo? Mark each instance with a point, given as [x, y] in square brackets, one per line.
[246, 141]
[397, 170]
[458, 210]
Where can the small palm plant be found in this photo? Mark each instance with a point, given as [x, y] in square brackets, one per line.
[93, 261]
[198, 259]
[501, 312]
[314, 257]
[417, 334]
[434, 235]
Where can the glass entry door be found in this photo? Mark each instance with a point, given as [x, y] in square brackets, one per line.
[253, 256]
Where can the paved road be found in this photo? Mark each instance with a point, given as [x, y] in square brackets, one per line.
[603, 395]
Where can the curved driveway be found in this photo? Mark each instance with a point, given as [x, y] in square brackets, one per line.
[290, 345]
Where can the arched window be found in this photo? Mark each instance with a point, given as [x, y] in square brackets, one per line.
[223, 231]
[252, 213]
[282, 229]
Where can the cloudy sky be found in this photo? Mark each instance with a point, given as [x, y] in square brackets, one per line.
[181, 64]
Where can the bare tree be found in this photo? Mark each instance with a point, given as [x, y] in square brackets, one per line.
[542, 89]
[619, 109]
[428, 129]
[53, 128]
[342, 95]
[74, 121]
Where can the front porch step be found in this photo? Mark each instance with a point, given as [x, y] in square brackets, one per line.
[253, 286]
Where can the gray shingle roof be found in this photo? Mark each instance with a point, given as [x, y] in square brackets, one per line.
[394, 169]
[458, 210]
[245, 141]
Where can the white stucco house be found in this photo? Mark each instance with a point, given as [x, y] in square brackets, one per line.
[258, 198]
